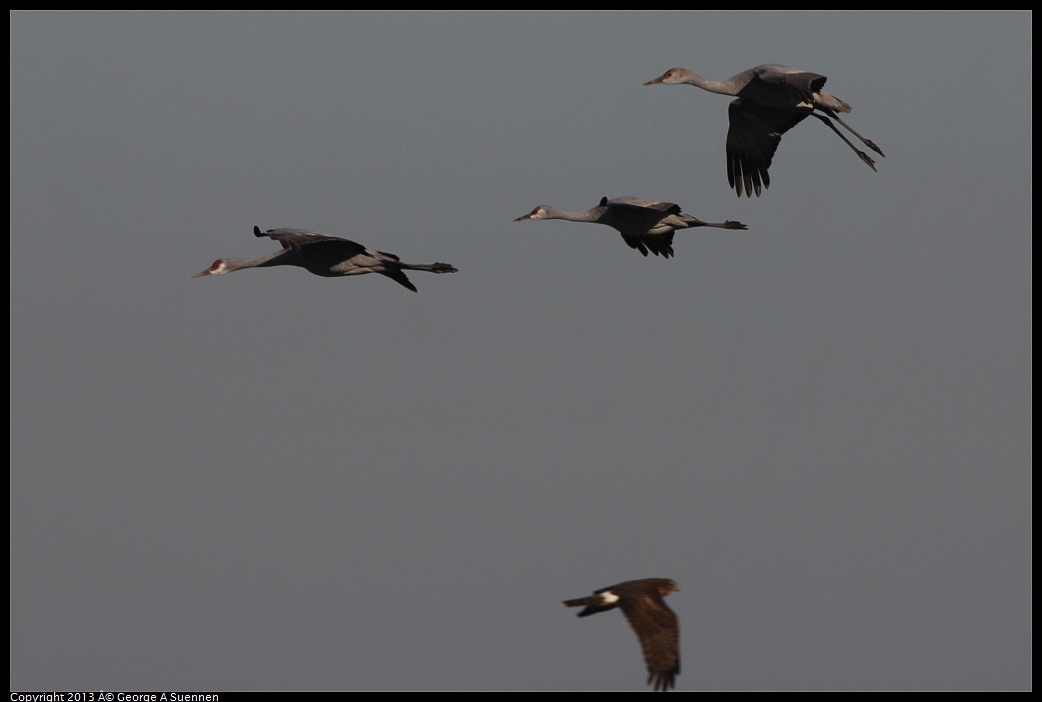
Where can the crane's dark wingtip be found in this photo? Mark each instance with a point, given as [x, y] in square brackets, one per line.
[750, 189]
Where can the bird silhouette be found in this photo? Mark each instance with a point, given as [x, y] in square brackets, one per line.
[652, 620]
[772, 99]
[645, 225]
[327, 256]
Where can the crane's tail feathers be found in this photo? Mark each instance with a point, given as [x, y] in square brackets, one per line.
[397, 274]
[832, 102]
[399, 277]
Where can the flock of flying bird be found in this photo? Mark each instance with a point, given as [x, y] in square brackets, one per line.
[770, 100]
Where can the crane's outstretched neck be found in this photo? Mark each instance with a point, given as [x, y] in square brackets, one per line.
[227, 265]
[723, 87]
[682, 76]
[548, 212]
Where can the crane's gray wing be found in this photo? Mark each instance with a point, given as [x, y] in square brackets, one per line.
[772, 83]
[319, 253]
[296, 238]
[629, 201]
[752, 138]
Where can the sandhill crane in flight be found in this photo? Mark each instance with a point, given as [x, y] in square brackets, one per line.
[772, 99]
[645, 225]
[327, 256]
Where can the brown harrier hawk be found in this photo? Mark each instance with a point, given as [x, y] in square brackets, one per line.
[655, 623]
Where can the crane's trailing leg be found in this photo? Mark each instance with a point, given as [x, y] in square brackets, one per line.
[861, 154]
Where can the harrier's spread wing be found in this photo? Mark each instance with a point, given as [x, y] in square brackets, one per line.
[653, 621]
[657, 629]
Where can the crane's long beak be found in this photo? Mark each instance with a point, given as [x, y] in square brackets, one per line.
[202, 273]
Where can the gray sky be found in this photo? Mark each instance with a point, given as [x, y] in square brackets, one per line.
[820, 427]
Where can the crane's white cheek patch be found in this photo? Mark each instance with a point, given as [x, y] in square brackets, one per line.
[609, 598]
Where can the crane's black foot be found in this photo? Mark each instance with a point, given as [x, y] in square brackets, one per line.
[872, 145]
[731, 224]
[867, 159]
[257, 231]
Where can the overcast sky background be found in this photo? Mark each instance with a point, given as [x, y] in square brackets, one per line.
[820, 427]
